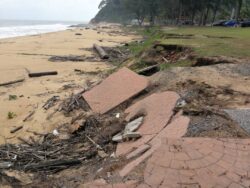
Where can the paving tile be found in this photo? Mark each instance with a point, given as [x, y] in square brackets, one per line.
[114, 90]
[138, 151]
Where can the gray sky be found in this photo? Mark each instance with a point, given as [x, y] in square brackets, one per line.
[68, 10]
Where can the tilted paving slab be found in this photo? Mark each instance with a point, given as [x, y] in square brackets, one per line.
[158, 110]
[114, 90]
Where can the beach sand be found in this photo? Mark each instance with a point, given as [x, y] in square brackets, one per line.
[20, 55]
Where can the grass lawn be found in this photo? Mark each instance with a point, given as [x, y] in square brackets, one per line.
[205, 41]
[211, 41]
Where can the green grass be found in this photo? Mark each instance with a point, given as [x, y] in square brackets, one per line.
[205, 41]
[11, 115]
[150, 35]
[234, 42]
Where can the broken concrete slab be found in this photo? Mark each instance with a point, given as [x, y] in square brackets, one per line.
[158, 110]
[129, 131]
[241, 116]
[114, 90]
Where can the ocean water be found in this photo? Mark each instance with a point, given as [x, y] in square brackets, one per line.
[15, 28]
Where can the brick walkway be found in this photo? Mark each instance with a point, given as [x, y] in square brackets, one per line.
[196, 162]
[199, 162]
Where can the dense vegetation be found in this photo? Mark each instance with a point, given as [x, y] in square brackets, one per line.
[200, 12]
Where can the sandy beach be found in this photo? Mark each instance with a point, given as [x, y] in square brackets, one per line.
[21, 55]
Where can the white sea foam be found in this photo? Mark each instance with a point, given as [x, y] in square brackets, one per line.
[15, 31]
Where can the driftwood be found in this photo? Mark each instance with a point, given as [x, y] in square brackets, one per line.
[102, 53]
[51, 102]
[12, 82]
[16, 129]
[39, 74]
[29, 116]
[53, 164]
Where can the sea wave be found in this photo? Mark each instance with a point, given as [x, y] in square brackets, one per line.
[16, 31]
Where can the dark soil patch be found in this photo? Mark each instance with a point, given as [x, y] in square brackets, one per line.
[218, 37]
[215, 126]
[176, 36]
[207, 61]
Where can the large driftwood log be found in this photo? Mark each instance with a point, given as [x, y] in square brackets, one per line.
[12, 82]
[101, 52]
[39, 74]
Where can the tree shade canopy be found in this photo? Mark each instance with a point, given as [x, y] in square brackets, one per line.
[200, 12]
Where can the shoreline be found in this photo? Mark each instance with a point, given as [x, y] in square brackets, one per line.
[30, 54]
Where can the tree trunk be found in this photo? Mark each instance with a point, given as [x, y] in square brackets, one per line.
[239, 6]
[217, 6]
[179, 12]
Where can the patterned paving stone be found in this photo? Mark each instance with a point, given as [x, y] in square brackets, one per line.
[185, 163]
[158, 109]
[176, 129]
[115, 90]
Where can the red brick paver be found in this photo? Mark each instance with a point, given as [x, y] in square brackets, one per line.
[175, 129]
[158, 109]
[115, 90]
[199, 162]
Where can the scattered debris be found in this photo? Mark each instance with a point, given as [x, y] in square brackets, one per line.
[87, 72]
[51, 102]
[12, 82]
[5, 165]
[39, 74]
[78, 34]
[72, 58]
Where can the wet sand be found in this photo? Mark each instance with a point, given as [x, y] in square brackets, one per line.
[21, 55]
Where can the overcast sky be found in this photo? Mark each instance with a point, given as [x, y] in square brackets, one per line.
[68, 10]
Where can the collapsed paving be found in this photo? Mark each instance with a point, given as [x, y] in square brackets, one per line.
[176, 128]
